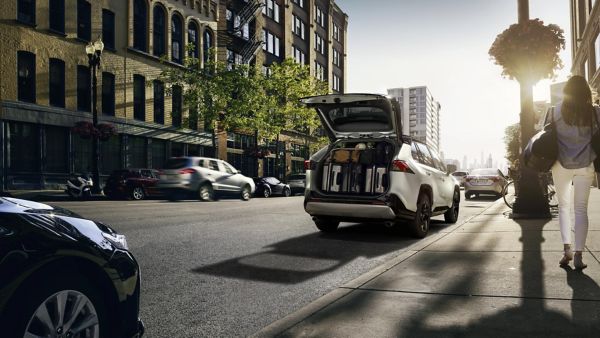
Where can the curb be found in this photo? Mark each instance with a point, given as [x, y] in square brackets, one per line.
[280, 326]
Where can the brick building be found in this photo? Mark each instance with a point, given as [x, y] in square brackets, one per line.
[263, 32]
[45, 85]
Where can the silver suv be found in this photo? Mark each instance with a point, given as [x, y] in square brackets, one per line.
[203, 177]
[371, 172]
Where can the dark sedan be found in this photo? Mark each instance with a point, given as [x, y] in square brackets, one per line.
[136, 184]
[64, 276]
[268, 186]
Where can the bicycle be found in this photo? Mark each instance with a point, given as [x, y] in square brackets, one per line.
[509, 192]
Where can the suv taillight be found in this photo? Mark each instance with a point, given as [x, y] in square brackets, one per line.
[310, 165]
[401, 166]
[186, 171]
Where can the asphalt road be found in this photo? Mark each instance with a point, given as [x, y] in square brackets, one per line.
[229, 268]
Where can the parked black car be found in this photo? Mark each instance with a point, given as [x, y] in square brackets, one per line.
[136, 184]
[267, 186]
[297, 182]
[62, 275]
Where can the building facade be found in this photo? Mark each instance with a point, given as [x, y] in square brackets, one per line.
[420, 114]
[45, 85]
[585, 40]
[263, 32]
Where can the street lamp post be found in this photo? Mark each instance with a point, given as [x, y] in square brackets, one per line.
[94, 52]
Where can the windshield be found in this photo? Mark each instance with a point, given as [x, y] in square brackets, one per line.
[482, 172]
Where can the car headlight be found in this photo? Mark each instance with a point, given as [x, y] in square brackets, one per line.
[117, 240]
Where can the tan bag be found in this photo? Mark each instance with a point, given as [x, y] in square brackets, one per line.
[341, 156]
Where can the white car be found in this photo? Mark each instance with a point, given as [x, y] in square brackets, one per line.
[371, 172]
[205, 178]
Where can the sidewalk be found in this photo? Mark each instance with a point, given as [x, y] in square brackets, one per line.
[490, 276]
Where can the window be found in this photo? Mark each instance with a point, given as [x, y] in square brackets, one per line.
[207, 44]
[26, 11]
[159, 153]
[159, 31]
[193, 39]
[57, 83]
[319, 44]
[319, 16]
[140, 25]
[336, 32]
[84, 20]
[55, 160]
[213, 165]
[271, 9]
[319, 71]
[139, 97]
[271, 43]
[159, 102]
[23, 144]
[137, 155]
[233, 58]
[110, 154]
[336, 83]
[26, 76]
[336, 57]
[298, 27]
[177, 106]
[426, 157]
[83, 88]
[108, 94]
[193, 119]
[176, 39]
[299, 3]
[108, 29]
[298, 55]
[266, 70]
[57, 15]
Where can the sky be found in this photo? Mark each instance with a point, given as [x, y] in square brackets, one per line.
[443, 44]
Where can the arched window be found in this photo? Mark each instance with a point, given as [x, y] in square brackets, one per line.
[140, 25]
[208, 43]
[193, 39]
[176, 39]
[160, 22]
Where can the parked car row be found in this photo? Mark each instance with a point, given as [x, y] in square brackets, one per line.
[199, 177]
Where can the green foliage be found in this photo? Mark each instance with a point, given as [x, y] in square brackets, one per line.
[529, 51]
[512, 141]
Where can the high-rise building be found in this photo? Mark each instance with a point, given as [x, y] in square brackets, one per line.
[585, 41]
[45, 85]
[263, 32]
[420, 114]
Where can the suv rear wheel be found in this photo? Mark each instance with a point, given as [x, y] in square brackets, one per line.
[246, 193]
[206, 193]
[326, 224]
[419, 226]
[451, 216]
[137, 193]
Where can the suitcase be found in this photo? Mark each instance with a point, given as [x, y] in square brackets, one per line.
[367, 157]
[336, 178]
[357, 179]
[325, 183]
[380, 180]
[383, 153]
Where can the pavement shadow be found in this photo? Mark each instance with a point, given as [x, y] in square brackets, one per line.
[301, 258]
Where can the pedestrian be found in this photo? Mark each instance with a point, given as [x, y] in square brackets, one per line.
[575, 124]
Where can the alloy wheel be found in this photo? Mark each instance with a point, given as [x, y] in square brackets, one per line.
[424, 217]
[65, 314]
[245, 193]
[137, 193]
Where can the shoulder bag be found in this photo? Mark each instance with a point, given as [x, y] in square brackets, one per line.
[595, 142]
[541, 151]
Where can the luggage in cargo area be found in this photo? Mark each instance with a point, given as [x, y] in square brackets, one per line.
[361, 169]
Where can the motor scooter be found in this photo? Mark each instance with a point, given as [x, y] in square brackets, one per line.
[80, 187]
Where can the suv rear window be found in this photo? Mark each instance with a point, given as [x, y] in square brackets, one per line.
[177, 163]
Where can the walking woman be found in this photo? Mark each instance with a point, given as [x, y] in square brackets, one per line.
[575, 123]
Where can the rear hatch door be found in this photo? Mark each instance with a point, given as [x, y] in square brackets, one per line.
[357, 115]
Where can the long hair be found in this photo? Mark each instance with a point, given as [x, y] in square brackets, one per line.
[577, 108]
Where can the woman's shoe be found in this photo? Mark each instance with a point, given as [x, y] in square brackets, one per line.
[578, 262]
[567, 257]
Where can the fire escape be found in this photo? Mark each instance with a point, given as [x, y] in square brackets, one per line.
[235, 37]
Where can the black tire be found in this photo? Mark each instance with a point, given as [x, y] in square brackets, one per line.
[266, 192]
[33, 294]
[451, 216]
[287, 192]
[246, 193]
[326, 224]
[468, 196]
[137, 193]
[206, 193]
[419, 225]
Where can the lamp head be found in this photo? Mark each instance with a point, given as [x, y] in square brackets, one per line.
[99, 46]
[89, 49]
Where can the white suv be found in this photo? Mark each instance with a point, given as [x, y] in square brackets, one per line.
[371, 172]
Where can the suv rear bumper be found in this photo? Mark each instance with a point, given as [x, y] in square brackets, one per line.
[343, 210]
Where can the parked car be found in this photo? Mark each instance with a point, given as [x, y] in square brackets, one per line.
[371, 172]
[484, 182]
[268, 186]
[205, 178]
[460, 177]
[62, 275]
[136, 184]
[297, 183]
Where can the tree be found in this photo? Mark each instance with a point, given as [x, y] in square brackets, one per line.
[513, 144]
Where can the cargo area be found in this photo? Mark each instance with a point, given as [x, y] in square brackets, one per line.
[357, 168]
